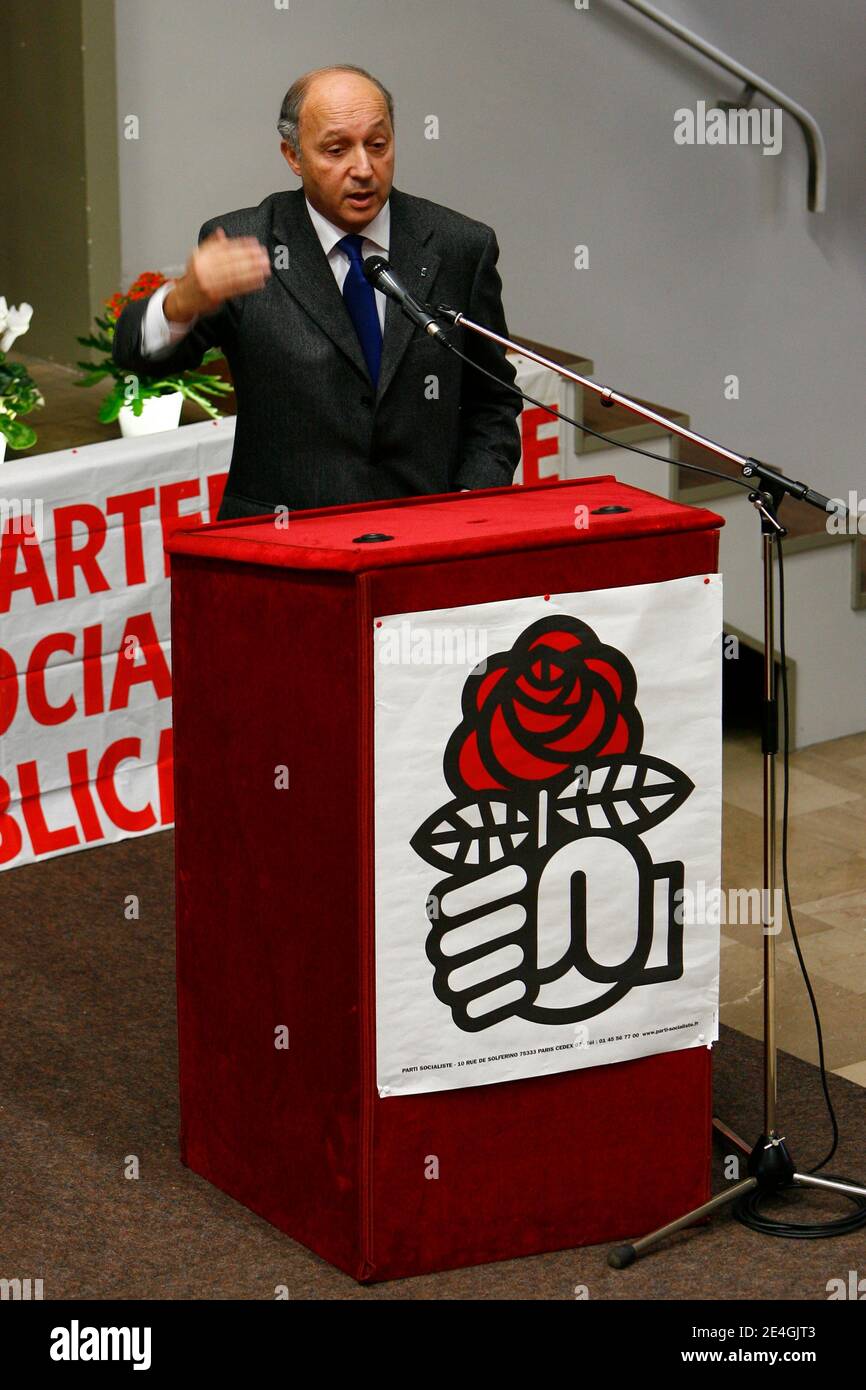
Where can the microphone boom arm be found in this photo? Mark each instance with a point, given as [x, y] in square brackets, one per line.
[751, 467]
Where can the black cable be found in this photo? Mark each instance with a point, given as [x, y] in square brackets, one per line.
[748, 1207]
[747, 1210]
[587, 429]
[788, 905]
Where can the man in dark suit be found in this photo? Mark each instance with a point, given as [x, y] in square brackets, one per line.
[340, 397]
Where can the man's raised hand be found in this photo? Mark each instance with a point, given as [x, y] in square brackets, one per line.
[219, 268]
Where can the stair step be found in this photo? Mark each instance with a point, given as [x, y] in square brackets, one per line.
[687, 452]
[622, 425]
[799, 519]
[575, 361]
[806, 526]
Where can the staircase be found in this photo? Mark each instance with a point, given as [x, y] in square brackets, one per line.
[825, 573]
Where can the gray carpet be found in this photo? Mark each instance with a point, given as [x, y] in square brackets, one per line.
[87, 1028]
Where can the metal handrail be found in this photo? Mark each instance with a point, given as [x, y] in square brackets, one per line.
[815, 146]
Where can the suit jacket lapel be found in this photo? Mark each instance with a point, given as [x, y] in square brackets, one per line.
[301, 265]
[416, 266]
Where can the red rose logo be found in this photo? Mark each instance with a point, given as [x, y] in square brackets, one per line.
[520, 944]
[559, 698]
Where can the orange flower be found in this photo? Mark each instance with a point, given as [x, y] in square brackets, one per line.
[147, 281]
[141, 287]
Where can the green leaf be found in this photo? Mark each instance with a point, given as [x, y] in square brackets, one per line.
[206, 381]
[111, 406]
[193, 395]
[17, 435]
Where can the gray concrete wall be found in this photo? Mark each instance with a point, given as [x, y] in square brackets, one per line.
[59, 235]
[556, 126]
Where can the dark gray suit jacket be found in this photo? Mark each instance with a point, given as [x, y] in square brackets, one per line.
[311, 431]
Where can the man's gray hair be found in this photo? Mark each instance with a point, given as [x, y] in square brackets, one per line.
[290, 111]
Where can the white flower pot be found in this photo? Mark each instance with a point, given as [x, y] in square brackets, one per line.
[158, 413]
[2, 447]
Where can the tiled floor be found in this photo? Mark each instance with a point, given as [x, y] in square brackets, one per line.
[827, 870]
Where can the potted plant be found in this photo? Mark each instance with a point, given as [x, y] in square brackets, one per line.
[19, 393]
[146, 404]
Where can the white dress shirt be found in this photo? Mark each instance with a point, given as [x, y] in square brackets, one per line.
[159, 335]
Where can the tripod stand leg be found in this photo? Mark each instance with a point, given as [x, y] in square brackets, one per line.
[721, 1128]
[623, 1255]
[829, 1184]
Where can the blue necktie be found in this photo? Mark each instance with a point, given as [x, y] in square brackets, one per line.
[360, 300]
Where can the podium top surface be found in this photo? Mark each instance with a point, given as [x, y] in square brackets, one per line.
[414, 530]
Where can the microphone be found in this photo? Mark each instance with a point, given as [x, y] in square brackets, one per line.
[382, 276]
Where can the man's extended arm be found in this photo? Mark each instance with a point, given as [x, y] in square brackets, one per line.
[489, 434]
[158, 333]
[197, 312]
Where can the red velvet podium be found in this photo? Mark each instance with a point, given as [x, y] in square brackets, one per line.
[271, 640]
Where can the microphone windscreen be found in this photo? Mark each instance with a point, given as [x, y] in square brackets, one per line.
[373, 267]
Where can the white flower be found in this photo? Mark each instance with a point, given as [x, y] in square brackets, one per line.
[13, 322]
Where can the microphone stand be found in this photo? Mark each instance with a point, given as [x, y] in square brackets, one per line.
[770, 1165]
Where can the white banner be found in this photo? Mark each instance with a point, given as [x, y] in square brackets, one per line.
[548, 803]
[85, 652]
[546, 443]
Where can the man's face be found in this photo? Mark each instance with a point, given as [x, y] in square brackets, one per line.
[346, 158]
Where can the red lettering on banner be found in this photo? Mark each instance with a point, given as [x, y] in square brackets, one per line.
[169, 498]
[69, 559]
[37, 699]
[84, 791]
[8, 690]
[79, 779]
[140, 661]
[165, 776]
[534, 449]
[10, 831]
[33, 576]
[130, 505]
[94, 700]
[124, 817]
[43, 840]
[128, 673]
[216, 486]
